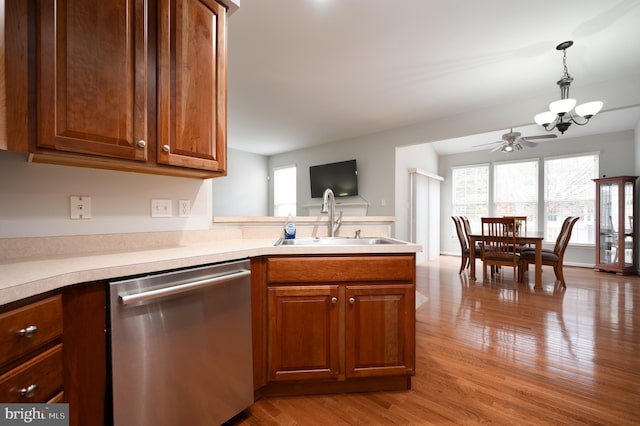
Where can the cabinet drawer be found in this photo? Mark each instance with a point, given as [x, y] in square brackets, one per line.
[341, 268]
[43, 373]
[17, 333]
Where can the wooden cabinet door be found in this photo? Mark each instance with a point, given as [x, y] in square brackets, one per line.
[303, 332]
[192, 84]
[380, 330]
[92, 77]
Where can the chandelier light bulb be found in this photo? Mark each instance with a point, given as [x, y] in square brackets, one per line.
[562, 106]
[545, 118]
[589, 109]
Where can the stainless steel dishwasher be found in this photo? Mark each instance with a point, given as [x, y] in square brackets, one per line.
[181, 349]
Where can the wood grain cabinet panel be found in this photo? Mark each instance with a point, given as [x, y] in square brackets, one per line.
[303, 331]
[380, 330]
[25, 329]
[36, 381]
[92, 77]
[192, 84]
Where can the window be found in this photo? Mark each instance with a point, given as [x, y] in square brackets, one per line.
[471, 193]
[569, 191]
[284, 191]
[515, 191]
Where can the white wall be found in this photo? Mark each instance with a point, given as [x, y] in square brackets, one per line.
[374, 155]
[617, 157]
[244, 191]
[35, 200]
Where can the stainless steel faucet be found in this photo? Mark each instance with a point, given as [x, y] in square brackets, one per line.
[330, 199]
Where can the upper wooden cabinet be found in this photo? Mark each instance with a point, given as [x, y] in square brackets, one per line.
[135, 85]
[192, 84]
[93, 73]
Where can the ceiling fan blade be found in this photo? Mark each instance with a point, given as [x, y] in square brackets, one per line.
[496, 148]
[549, 136]
[528, 143]
[485, 144]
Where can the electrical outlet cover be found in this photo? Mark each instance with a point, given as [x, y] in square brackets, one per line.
[184, 208]
[80, 207]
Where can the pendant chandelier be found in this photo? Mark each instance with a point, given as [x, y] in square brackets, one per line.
[559, 115]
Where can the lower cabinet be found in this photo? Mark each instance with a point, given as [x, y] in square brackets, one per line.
[334, 323]
[31, 351]
[53, 349]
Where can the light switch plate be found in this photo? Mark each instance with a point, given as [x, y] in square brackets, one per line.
[80, 207]
[161, 208]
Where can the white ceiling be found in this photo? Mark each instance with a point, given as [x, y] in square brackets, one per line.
[307, 72]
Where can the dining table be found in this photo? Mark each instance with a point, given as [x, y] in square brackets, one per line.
[534, 238]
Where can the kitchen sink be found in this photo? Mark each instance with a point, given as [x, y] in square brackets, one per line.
[337, 241]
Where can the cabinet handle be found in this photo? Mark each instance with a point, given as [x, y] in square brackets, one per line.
[141, 143]
[28, 331]
[352, 300]
[334, 300]
[166, 148]
[29, 391]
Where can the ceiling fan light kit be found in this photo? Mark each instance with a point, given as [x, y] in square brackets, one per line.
[559, 115]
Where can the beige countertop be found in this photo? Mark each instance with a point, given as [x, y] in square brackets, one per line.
[43, 270]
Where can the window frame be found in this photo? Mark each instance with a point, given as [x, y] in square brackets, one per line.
[585, 224]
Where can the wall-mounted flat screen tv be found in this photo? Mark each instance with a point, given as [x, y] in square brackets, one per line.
[341, 177]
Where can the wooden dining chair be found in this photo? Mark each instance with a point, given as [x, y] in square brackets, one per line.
[463, 238]
[499, 243]
[556, 248]
[466, 226]
[520, 227]
[556, 258]
[521, 223]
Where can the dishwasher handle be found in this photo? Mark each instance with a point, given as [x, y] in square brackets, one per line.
[181, 288]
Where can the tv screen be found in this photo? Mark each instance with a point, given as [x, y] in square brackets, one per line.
[341, 177]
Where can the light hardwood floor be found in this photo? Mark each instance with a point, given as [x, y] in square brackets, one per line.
[492, 353]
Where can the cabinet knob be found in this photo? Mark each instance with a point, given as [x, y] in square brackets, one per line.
[141, 143]
[28, 331]
[352, 300]
[166, 148]
[29, 391]
[334, 300]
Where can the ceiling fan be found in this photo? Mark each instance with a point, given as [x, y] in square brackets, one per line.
[514, 141]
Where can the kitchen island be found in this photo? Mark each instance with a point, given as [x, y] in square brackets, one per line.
[370, 284]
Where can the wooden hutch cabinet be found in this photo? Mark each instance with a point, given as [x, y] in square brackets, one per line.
[615, 224]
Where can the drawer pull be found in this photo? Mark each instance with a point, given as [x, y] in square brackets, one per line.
[28, 331]
[29, 391]
[352, 300]
[334, 300]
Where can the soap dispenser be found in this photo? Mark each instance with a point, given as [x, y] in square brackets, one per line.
[289, 229]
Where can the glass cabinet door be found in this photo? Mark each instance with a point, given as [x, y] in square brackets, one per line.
[608, 223]
[616, 229]
[627, 219]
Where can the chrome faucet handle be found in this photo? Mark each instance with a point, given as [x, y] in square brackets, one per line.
[336, 224]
